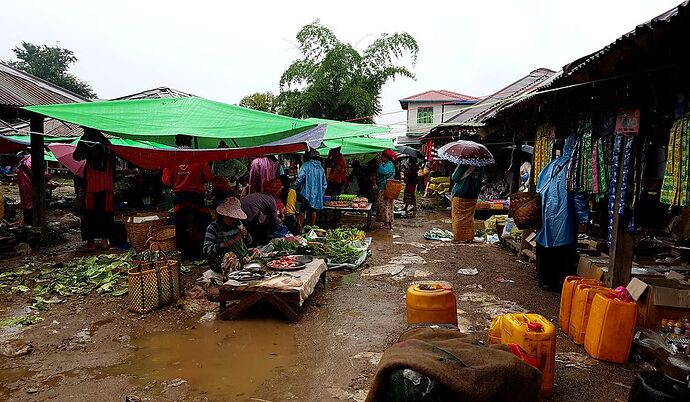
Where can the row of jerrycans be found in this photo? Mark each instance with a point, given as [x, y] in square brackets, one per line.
[592, 315]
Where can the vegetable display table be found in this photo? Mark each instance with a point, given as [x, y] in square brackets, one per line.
[365, 211]
[286, 293]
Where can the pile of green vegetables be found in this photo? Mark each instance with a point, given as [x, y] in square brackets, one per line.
[345, 234]
[104, 274]
[314, 248]
[284, 245]
[343, 251]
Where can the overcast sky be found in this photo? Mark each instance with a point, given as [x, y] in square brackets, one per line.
[224, 50]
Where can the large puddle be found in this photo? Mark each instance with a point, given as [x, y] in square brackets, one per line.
[221, 360]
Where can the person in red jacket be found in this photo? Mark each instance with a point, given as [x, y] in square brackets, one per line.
[191, 215]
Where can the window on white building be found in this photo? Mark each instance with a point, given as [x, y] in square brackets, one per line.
[425, 115]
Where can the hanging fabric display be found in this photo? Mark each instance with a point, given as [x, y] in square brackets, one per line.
[572, 175]
[675, 186]
[603, 171]
[602, 130]
[595, 167]
[613, 183]
[543, 149]
[627, 127]
[585, 156]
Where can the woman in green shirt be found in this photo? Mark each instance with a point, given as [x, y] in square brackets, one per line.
[467, 183]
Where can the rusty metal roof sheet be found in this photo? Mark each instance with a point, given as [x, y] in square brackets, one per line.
[18, 89]
[586, 61]
[51, 127]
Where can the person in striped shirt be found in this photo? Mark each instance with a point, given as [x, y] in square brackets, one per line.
[225, 243]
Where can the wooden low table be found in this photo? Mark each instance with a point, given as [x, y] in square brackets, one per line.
[366, 211]
[286, 300]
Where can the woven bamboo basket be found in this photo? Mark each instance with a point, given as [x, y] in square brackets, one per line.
[392, 190]
[138, 232]
[153, 284]
[525, 209]
[162, 238]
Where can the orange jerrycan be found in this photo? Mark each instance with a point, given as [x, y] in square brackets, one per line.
[567, 293]
[610, 328]
[496, 330]
[431, 303]
[579, 312]
[537, 336]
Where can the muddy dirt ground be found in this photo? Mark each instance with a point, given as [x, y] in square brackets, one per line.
[92, 348]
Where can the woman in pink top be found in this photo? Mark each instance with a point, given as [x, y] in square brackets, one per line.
[262, 170]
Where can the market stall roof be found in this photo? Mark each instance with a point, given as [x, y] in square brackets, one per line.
[18, 88]
[581, 65]
[343, 129]
[162, 119]
[473, 117]
[357, 145]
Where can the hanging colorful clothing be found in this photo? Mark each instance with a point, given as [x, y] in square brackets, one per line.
[543, 149]
[675, 187]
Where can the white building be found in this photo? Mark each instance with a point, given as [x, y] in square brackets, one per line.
[428, 109]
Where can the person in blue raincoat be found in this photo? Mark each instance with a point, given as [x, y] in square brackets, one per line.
[311, 183]
[562, 212]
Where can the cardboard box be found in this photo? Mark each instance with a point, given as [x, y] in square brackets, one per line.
[593, 267]
[659, 298]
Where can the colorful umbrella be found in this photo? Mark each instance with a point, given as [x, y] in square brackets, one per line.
[466, 153]
[63, 153]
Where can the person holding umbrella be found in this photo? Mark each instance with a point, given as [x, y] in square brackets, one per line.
[467, 183]
[385, 172]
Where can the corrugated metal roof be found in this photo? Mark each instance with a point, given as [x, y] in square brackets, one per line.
[156, 93]
[18, 89]
[584, 62]
[51, 127]
[477, 114]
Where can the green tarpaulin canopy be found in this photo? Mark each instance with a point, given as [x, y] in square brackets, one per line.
[357, 145]
[162, 119]
[342, 129]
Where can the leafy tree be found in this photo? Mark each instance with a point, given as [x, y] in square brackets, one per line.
[333, 80]
[51, 64]
[264, 101]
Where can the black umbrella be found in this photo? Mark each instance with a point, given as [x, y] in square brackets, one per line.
[409, 151]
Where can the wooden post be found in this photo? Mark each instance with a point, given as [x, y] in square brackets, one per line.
[515, 185]
[622, 242]
[38, 168]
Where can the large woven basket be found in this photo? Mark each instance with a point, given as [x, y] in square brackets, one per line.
[153, 284]
[138, 232]
[392, 190]
[525, 209]
[162, 238]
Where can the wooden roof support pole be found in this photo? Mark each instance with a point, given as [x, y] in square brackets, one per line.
[622, 242]
[515, 185]
[38, 168]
